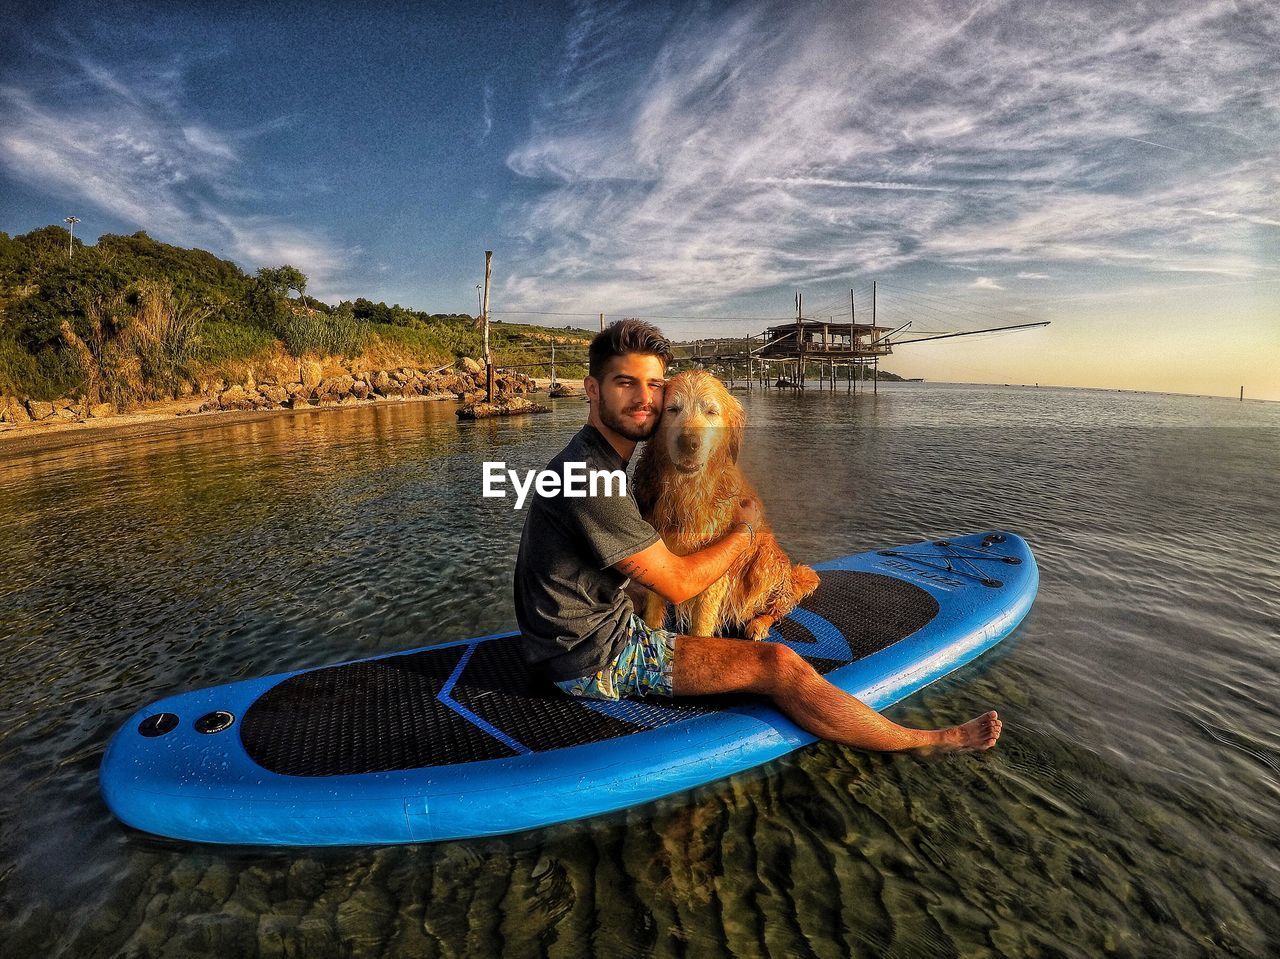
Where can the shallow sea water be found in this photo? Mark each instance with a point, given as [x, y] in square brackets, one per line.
[1129, 809]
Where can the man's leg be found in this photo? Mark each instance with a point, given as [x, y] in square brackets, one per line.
[706, 665]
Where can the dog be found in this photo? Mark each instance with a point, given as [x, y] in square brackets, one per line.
[687, 483]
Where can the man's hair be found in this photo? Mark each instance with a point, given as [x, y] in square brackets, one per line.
[623, 337]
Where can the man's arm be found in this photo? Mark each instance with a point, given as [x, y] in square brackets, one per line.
[677, 578]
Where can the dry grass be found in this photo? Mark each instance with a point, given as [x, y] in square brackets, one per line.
[383, 354]
[141, 344]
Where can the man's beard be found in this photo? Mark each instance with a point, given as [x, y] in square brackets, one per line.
[631, 430]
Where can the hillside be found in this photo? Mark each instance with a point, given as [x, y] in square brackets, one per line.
[130, 319]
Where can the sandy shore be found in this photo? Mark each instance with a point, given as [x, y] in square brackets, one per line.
[54, 433]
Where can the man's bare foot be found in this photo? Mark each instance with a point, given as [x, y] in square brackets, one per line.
[977, 734]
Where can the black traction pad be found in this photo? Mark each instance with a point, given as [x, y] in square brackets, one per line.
[430, 708]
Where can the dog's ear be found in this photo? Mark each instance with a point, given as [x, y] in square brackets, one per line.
[737, 425]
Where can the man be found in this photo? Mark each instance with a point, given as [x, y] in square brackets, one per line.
[577, 555]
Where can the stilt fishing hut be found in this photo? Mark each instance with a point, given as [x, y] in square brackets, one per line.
[791, 350]
[782, 356]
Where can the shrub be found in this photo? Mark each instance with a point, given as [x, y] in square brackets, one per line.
[221, 341]
[136, 345]
[44, 375]
[336, 334]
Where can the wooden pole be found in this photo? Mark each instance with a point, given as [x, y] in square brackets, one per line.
[488, 359]
[553, 362]
[800, 341]
[853, 337]
[601, 322]
[1242, 394]
[875, 360]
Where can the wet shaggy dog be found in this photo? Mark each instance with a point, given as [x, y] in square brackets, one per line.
[687, 483]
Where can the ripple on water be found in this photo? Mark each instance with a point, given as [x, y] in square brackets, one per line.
[1127, 811]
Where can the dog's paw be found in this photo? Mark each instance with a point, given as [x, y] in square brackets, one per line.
[758, 628]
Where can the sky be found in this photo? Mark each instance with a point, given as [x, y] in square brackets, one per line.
[1111, 168]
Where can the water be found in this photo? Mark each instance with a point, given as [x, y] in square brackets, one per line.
[1128, 810]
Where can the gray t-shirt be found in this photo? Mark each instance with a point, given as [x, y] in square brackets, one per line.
[570, 605]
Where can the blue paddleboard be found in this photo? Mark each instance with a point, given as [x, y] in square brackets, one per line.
[461, 739]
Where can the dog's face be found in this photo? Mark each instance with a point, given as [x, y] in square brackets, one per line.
[702, 424]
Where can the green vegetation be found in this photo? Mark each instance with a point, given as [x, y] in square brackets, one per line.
[236, 342]
[130, 319]
[136, 343]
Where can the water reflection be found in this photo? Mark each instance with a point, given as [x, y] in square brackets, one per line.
[1128, 808]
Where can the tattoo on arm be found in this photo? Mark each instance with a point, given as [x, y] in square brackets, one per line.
[632, 569]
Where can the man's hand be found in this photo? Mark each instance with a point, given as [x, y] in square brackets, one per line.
[748, 510]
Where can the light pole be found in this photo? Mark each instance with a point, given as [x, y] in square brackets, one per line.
[484, 312]
[71, 222]
[478, 306]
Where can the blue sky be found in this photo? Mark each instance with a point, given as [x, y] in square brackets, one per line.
[1110, 167]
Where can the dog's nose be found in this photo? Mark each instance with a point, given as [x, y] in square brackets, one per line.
[689, 443]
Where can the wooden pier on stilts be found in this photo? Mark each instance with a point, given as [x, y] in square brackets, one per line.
[789, 356]
[786, 356]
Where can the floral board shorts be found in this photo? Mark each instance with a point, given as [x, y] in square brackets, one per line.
[643, 667]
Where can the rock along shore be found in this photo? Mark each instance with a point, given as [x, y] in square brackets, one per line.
[311, 388]
[293, 385]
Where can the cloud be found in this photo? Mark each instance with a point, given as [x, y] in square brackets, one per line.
[1032, 276]
[127, 147]
[985, 283]
[811, 181]
[208, 142]
[775, 145]
[1152, 143]
[486, 113]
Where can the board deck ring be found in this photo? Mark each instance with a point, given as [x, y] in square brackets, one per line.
[214, 722]
[157, 724]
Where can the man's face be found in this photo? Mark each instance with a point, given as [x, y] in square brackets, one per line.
[629, 395]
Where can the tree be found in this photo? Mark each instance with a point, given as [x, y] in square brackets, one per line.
[10, 258]
[284, 279]
[264, 305]
[293, 279]
[273, 281]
